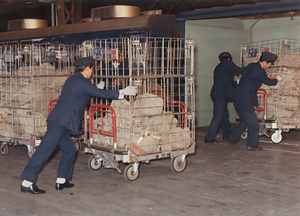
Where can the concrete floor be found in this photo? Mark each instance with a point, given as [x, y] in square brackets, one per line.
[220, 179]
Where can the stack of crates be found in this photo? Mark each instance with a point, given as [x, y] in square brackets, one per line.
[282, 102]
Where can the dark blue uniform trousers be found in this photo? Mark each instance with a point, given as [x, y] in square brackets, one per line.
[55, 135]
[220, 117]
[248, 119]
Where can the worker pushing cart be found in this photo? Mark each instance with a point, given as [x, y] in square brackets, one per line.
[64, 120]
[279, 107]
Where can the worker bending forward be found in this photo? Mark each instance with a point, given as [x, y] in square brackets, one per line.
[65, 120]
[245, 98]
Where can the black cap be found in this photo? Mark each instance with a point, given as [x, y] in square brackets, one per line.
[86, 62]
[268, 57]
[225, 55]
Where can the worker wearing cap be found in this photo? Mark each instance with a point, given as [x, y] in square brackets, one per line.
[245, 98]
[220, 94]
[65, 120]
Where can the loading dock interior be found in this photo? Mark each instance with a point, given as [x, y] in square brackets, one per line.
[220, 179]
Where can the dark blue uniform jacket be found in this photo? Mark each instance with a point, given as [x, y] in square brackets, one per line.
[252, 78]
[223, 79]
[75, 94]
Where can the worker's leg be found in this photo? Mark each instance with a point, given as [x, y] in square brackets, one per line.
[49, 142]
[253, 127]
[225, 124]
[67, 159]
[242, 125]
[220, 104]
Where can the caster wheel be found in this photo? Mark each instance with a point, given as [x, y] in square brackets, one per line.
[178, 164]
[244, 135]
[130, 174]
[4, 149]
[276, 137]
[95, 163]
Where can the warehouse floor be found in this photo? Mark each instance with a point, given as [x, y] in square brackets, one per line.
[220, 179]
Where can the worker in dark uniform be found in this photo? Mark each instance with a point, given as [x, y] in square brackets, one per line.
[65, 120]
[245, 98]
[220, 94]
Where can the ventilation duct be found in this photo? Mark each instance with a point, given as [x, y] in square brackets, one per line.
[114, 11]
[21, 24]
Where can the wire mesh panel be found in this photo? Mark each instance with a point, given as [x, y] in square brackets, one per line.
[283, 103]
[31, 75]
[161, 117]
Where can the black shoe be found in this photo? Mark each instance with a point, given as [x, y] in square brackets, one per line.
[32, 189]
[229, 141]
[67, 184]
[212, 141]
[254, 148]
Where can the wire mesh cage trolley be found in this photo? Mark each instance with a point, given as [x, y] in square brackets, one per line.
[279, 106]
[157, 123]
[31, 75]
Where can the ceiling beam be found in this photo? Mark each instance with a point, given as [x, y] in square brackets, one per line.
[236, 11]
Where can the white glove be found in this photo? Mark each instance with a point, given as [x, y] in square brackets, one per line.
[279, 78]
[129, 90]
[237, 81]
[101, 85]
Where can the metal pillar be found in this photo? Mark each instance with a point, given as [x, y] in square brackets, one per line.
[66, 16]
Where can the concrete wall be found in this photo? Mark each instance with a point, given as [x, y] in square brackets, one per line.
[217, 35]
[211, 38]
[273, 28]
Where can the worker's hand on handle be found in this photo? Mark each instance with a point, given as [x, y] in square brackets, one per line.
[129, 90]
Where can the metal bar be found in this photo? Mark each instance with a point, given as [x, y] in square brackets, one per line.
[240, 10]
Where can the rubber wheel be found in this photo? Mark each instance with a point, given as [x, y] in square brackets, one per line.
[178, 165]
[276, 137]
[94, 163]
[130, 174]
[4, 150]
[244, 135]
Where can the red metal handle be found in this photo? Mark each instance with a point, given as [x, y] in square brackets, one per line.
[102, 109]
[183, 108]
[263, 92]
[51, 105]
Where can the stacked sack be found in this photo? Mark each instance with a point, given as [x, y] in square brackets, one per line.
[144, 129]
[28, 91]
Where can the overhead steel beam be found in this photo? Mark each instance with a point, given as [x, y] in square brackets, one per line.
[66, 16]
[235, 11]
[145, 22]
